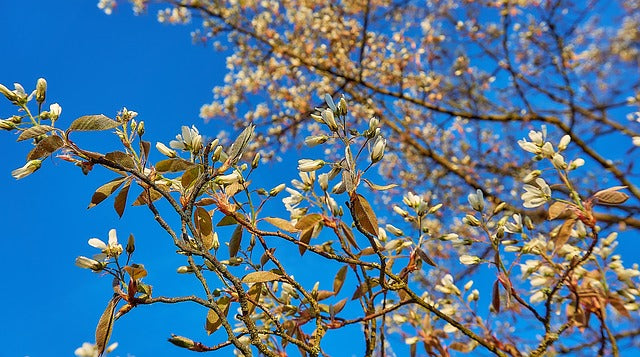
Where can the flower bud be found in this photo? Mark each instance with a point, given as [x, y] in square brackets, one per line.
[393, 230]
[184, 269]
[41, 90]
[312, 141]
[255, 161]
[469, 259]
[400, 211]
[339, 188]
[215, 243]
[7, 125]
[342, 106]
[140, 128]
[182, 341]
[499, 207]
[164, 150]
[323, 181]
[564, 142]
[228, 179]
[378, 149]
[26, 170]
[7, 93]
[54, 111]
[307, 165]
[329, 120]
[276, 190]
[471, 220]
[217, 152]
[131, 245]
[88, 263]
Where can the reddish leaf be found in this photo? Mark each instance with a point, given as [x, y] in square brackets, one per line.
[363, 214]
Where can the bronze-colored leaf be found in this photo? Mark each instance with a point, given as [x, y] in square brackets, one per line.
[46, 147]
[260, 277]
[136, 271]
[145, 147]
[282, 224]
[34, 132]
[308, 221]
[425, 258]
[213, 320]
[234, 243]
[375, 187]
[204, 226]
[105, 325]
[121, 159]
[363, 215]
[240, 145]
[324, 294]
[173, 165]
[143, 198]
[106, 190]
[121, 199]
[564, 233]
[227, 221]
[463, 347]
[205, 201]
[558, 209]
[360, 291]
[190, 176]
[93, 123]
[305, 237]
[337, 307]
[618, 305]
[254, 293]
[338, 281]
[495, 297]
[611, 196]
[348, 233]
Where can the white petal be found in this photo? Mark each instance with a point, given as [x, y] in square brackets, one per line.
[97, 243]
[113, 238]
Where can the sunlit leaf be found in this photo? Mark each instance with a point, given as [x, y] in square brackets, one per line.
[564, 233]
[46, 147]
[338, 281]
[363, 215]
[240, 145]
[260, 277]
[190, 175]
[136, 271]
[227, 221]
[234, 243]
[558, 209]
[425, 258]
[213, 320]
[121, 159]
[495, 297]
[254, 293]
[105, 325]
[375, 187]
[618, 305]
[121, 199]
[173, 165]
[93, 123]
[34, 132]
[282, 224]
[143, 198]
[611, 196]
[305, 237]
[308, 221]
[348, 233]
[106, 190]
[204, 226]
[337, 307]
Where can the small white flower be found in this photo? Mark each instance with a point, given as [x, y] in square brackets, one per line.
[329, 119]
[446, 285]
[378, 149]
[54, 111]
[307, 165]
[539, 296]
[469, 259]
[189, 140]
[536, 196]
[636, 140]
[476, 200]
[164, 150]
[529, 146]
[515, 226]
[112, 249]
[26, 170]
[564, 142]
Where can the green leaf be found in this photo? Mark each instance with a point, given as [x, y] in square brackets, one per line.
[260, 277]
[121, 159]
[106, 190]
[213, 320]
[363, 214]
[234, 243]
[204, 227]
[46, 147]
[282, 224]
[173, 165]
[105, 325]
[96, 122]
[121, 199]
[34, 132]
[308, 221]
[227, 221]
[142, 198]
[338, 281]
[375, 187]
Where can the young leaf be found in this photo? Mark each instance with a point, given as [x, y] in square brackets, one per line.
[337, 307]
[305, 237]
[308, 221]
[213, 320]
[34, 132]
[338, 281]
[363, 214]
[260, 277]
[282, 224]
[46, 147]
[105, 325]
[121, 199]
[254, 294]
[564, 233]
[375, 187]
[121, 159]
[204, 227]
[495, 297]
[173, 165]
[93, 123]
[143, 197]
[611, 196]
[240, 145]
[558, 209]
[190, 176]
[234, 243]
[227, 221]
[425, 258]
[106, 190]
[136, 271]
[349, 234]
